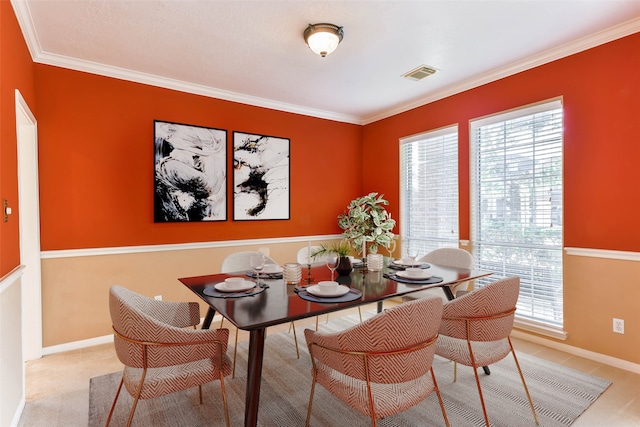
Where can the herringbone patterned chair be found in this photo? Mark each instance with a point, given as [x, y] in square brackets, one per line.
[159, 355]
[475, 330]
[381, 366]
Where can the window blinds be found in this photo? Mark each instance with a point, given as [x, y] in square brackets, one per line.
[429, 190]
[517, 205]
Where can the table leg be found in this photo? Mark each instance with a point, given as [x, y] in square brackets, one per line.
[379, 306]
[206, 323]
[254, 376]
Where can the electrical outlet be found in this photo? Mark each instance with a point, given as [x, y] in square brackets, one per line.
[618, 326]
[158, 298]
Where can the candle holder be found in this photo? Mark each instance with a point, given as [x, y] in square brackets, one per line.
[308, 274]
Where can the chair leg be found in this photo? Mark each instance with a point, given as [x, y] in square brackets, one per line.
[316, 323]
[313, 386]
[200, 392]
[224, 397]
[113, 406]
[526, 389]
[435, 385]
[136, 397]
[360, 314]
[295, 339]
[221, 322]
[235, 351]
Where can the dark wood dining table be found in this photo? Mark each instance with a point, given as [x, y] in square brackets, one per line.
[280, 304]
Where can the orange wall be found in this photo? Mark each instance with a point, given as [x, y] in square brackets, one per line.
[601, 92]
[96, 163]
[16, 72]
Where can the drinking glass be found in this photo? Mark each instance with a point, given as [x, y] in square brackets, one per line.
[332, 262]
[391, 248]
[413, 254]
[257, 263]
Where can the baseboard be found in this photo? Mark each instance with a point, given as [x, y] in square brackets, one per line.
[105, 339]
[580, 352]
[18, 414]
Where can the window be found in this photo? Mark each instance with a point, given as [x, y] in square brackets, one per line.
[429, 190]
[516, 202]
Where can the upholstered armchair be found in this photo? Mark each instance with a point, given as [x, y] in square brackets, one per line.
[159, 354]
[387, 355]
[475, 330]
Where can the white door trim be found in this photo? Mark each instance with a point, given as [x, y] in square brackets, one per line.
[29, 218]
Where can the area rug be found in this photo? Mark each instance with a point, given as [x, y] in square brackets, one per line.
[560, 395]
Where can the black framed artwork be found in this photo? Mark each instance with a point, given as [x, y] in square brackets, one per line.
[190, 173]
[260, 177]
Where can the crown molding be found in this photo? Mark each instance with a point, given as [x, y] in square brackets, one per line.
[39, 56]
[596, 39]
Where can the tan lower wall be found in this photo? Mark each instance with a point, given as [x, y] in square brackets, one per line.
[75, 290]
[75, 293]
[595, 291]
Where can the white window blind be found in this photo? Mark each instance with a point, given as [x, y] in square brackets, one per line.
[429, 190]
[516, 205]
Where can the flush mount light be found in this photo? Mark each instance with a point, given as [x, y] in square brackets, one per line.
[323, 38]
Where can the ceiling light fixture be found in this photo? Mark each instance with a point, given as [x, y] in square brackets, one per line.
[323, 38]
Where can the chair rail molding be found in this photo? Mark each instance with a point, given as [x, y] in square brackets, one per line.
[71, 253]
[604, 253]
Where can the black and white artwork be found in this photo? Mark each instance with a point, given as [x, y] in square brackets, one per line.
[260, 177]
[190, 173]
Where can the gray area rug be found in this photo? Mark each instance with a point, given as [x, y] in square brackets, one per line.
[559, 394]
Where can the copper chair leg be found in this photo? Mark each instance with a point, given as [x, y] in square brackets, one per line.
[526, 389]
[113, 406]
[136, 397]
[224, 397]
[435, 385]
[313, 386]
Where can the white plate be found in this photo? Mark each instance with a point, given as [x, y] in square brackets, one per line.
[276, 270]
[407, 264]
[315, 290]
[222, 287]
[405, 275]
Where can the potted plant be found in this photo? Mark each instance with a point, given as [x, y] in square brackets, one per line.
[342, 251]
[367, 223]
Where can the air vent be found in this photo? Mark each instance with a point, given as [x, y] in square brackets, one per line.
[420, 73]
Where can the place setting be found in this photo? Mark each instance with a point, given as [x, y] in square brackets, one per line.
[234, 287]
[269, 271]
[414, 276]
[408, 262]
[328, 291]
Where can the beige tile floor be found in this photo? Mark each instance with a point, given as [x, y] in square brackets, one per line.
[61, 383]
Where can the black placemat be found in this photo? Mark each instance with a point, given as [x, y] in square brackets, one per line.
[210, 291]
[253, 275]
[352, 295]
[395, 266]
[428, 281]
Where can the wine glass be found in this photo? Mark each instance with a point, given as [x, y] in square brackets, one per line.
[257, 263]
[391, 248]
[332, 262]
[413, 254]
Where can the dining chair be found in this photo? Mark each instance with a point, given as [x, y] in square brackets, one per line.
[475, 330]
[448, 257]
[241, 261]
[159, 355]
[381, 366]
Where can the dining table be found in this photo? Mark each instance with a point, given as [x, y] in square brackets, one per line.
[274, 302]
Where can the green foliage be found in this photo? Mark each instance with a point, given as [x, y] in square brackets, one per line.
[367, 220]
[341, 249]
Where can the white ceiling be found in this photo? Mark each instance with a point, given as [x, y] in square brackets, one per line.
[253, 51]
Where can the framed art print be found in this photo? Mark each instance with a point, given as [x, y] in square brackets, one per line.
[190, 173]
[260, 177]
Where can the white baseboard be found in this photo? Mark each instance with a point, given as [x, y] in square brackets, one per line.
[105, 339]
[18, 414]
[576, 351]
